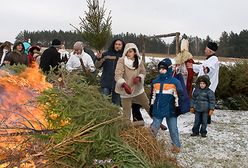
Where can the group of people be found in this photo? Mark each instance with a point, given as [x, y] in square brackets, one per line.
[122, 78]
[19, 54]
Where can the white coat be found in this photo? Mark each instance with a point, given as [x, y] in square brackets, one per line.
[74, 62]
[213, 64]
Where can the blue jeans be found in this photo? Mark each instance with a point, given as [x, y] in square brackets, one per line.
[172, 125]
[201, 119]
[115, 96]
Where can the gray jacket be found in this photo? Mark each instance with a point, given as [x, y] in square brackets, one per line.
[203, 100]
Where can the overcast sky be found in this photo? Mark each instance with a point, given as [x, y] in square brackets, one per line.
[192, 17]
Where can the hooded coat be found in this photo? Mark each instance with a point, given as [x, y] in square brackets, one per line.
[108, 63]
[203, 100]
[17, 57]
[125, 73]
[167, 91]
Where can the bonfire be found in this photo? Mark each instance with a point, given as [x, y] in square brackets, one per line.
[20, 114]
[68, 124]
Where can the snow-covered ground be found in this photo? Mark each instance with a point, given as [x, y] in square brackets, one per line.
[226, 144]
[149, 59]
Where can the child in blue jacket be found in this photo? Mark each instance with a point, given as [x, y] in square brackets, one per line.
[166, 92]
[202, 104]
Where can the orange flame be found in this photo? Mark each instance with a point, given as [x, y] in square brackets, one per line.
[19, 112]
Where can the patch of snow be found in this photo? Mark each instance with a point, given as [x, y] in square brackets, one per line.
[226, 144]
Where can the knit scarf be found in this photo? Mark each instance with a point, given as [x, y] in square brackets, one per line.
[129, 63]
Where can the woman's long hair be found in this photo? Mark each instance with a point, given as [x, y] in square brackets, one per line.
[136, 60]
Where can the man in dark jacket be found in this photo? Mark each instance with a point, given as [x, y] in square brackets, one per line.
[51, 57]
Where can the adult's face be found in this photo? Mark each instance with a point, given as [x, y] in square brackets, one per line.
[208, 51]
[118, 45]
[77, 52]
[130, 53]
[19, 47]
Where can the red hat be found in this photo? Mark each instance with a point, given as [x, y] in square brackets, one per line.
[34, 48]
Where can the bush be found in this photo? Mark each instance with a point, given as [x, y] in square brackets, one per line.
[233, 85]
[87, 128]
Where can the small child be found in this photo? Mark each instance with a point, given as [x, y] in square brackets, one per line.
[202, 104]
[167, 90]
[129, 76]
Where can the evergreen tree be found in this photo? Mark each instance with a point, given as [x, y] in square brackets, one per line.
[95, 27]
[224, 46]
[20, 37]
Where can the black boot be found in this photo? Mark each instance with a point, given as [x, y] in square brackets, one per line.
[136, 112]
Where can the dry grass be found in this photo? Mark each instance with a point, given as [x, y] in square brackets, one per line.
[142, 140]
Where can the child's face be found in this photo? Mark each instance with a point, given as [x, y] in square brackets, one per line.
[130, 53]
[203, 85]
[162, 71]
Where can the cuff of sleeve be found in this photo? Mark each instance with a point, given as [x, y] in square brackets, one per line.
[142, 77]
[120, 82]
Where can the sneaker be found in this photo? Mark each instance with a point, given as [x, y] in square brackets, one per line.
[204, 135]
[194, 134]
[175, 149]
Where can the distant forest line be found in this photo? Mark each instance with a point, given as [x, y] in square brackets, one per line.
[230, 44]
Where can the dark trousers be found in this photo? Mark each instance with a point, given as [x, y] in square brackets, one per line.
[136, 112]
[116, 99]
[200, 124]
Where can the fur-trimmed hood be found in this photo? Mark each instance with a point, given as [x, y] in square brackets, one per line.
[203, 78]
[128, 62]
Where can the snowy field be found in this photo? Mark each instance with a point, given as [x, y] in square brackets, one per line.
[226, 145]
[149, 59]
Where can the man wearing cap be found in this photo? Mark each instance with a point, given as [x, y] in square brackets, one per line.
[210, 66]
[51, 57]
